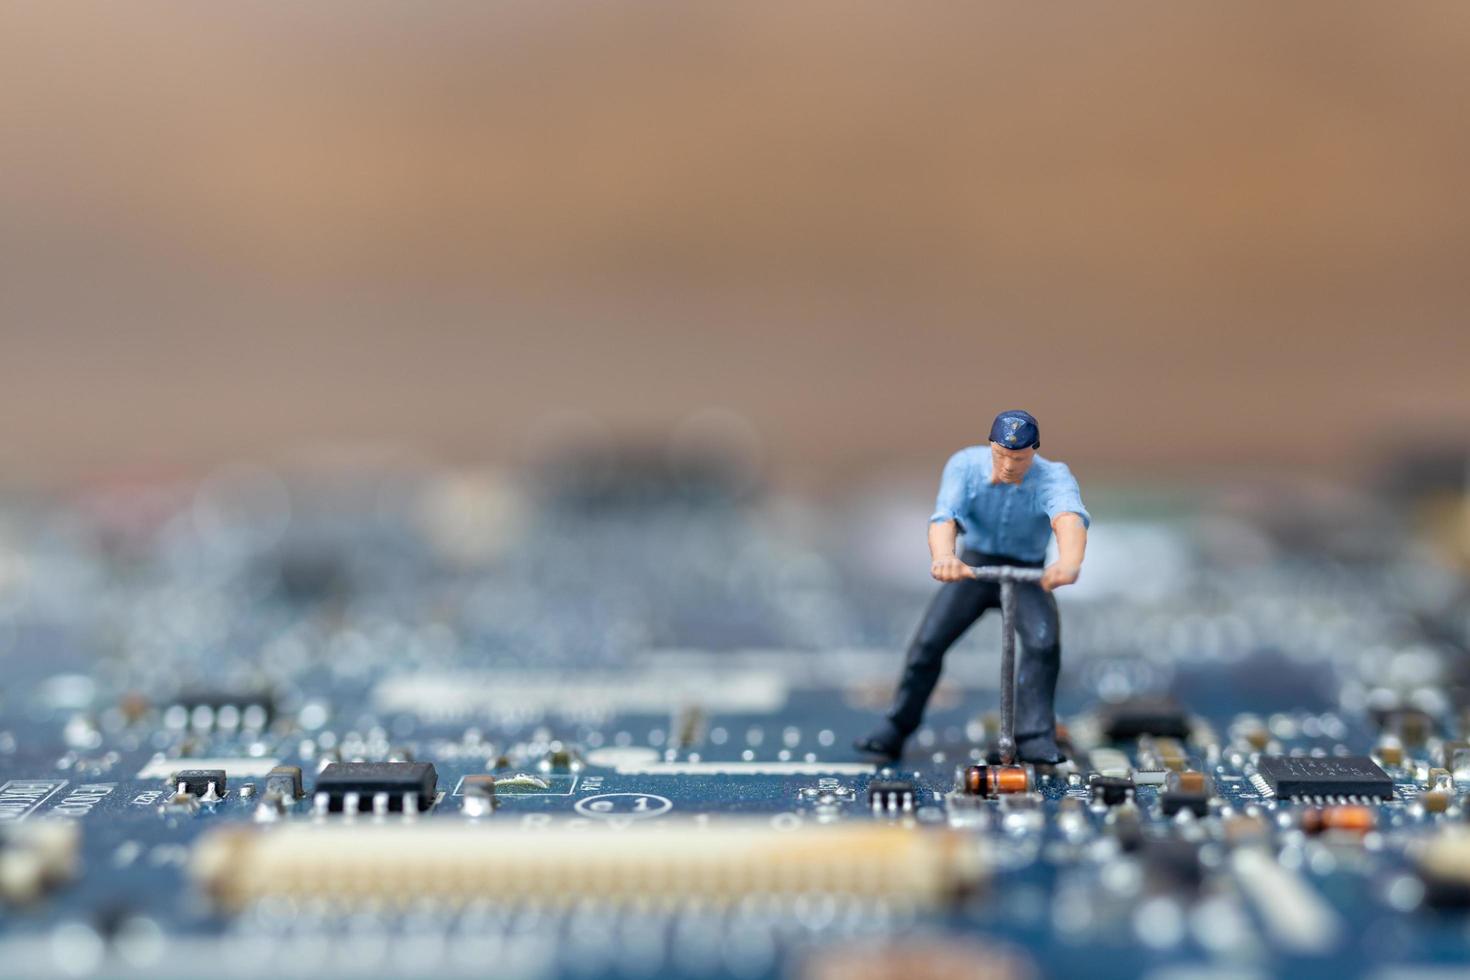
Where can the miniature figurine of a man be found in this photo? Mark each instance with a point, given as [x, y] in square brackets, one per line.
[1007, 501]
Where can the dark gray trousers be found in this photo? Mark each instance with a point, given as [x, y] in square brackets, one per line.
[955, 607]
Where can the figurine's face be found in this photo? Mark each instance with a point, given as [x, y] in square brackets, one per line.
[1009, 465]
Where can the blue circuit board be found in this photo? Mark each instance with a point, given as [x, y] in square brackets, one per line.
[639, 719]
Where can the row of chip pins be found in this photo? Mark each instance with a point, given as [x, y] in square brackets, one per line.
[891, 797]
[224, 718]
[210, 794]
[894, 803]
[321, 804]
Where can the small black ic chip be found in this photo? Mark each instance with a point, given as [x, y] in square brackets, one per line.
[1174, 800]
[377, 786]
[1302, 776]
[1145, 716]
[200, 781]
[1111, 790]
[285, 782]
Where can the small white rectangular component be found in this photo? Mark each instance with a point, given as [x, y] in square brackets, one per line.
[468, 694]
[1150, 777]
[1110, 762]
[1294, 913]
[160, 768]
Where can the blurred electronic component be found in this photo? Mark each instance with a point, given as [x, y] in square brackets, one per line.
[1173, 801]
[312, 574]
[1444, 867]
[1411, 725]
[926, 958]
[1345, 819]
[1111, 790]
[891, 796]
[1390, 751]
[285, 781]
[1246, 829]
[478, 790]
[1294, 914]
[560, 758]
[1145, 716]
[1173, 865]
[207, 784]
[1313, 778]
[35, 858]
[1110, 762]
[996, 780]
[1190, 781]
[689, 727]
[370, 865]
[385, 786]
[1257, 736]
[1436, 800]
[1169, 752]
[1455, 757]
[207, 710]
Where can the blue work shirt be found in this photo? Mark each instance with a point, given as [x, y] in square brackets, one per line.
[1010, 519]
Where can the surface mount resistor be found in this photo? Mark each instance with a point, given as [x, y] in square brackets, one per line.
[1347, 819]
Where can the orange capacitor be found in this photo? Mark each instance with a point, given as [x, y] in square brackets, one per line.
[996, 780]
[1191, 781]
[1350, 819]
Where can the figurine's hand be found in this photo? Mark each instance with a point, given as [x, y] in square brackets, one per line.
[1057, 575]
[950, 569]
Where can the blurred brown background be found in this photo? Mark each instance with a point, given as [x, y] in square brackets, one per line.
[1182, 235]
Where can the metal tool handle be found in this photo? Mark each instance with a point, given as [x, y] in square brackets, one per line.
[1007, 576]
[1005, 573]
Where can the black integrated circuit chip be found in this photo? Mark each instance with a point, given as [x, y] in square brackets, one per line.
[200, 781]
[395, 786]
[1145, 716]
[1112, 790]
[1173, 801]
[1305, 776]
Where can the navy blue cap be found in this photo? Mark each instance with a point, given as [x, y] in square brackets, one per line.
[1016, 430]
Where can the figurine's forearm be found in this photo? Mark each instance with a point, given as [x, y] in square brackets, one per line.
[944, 566]
[942, 535]
[1071, 540]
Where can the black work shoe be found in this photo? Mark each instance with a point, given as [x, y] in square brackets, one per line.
[885, 740]
[1040, 748]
